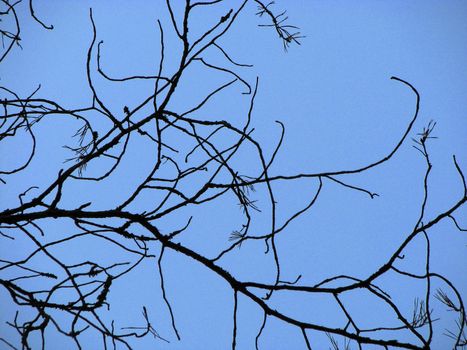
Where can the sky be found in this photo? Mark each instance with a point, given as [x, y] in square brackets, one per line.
[340, 109]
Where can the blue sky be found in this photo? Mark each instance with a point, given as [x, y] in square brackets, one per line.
[340, 110]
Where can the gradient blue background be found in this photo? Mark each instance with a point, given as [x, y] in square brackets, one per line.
[340, 109]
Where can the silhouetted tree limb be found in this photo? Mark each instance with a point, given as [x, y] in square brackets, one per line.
[73, 298]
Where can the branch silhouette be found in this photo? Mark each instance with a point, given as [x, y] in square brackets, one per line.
[72, 298]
